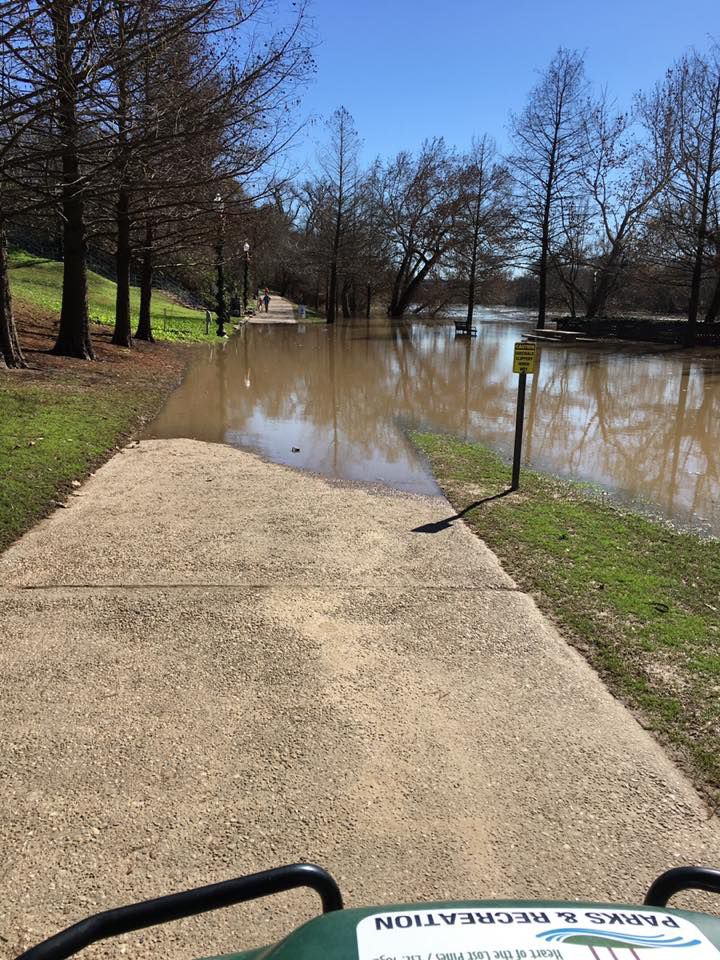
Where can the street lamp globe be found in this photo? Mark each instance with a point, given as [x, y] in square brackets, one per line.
[246, 247]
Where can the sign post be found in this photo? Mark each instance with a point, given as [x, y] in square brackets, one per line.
[523, 364]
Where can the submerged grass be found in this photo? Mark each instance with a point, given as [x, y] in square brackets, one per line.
[640, 600]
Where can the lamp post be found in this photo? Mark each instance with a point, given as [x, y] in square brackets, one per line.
[220, 258]
[246, 248]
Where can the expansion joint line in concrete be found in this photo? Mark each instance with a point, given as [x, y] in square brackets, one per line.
[239, 587]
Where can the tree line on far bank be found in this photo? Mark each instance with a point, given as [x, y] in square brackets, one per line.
[593, 210]
[148, 128]
[138, 126]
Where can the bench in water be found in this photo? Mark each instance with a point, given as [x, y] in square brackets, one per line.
[462, 326]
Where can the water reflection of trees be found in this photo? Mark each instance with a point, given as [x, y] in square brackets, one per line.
[646, 425]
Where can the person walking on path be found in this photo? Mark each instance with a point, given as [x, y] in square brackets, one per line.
[282, 311]
[266, 299]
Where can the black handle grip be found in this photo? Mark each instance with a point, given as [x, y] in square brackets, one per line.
[681, 878]
[177, 906]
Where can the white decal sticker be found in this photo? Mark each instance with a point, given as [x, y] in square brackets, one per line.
[530, 933]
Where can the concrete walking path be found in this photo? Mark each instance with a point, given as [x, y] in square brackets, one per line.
[211, 665]
[280, 310]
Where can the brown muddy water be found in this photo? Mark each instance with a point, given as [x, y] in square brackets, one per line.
[643, 423]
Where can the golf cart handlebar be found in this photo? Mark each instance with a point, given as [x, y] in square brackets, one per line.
[679, 879]
[177, 906]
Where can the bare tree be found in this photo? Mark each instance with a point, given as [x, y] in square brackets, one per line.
[624, 171]
[547, 137]
[699, 150]
[570, 253]
[373, 249]
[67, 34]
[17, 109]
[420, 199]
[216, 127]
[484, 217]
[340, 171]
[682, 229]
[713, 307]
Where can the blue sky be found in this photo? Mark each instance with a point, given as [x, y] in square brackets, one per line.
[407, 69]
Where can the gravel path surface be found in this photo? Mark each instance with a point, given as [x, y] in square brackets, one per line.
[211, 665]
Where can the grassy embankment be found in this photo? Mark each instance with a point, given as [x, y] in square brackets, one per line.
[640, 600]
[62, 417]
[38, 281]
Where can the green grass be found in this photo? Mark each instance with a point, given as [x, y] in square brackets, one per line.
[311, 316]
[641, 600]
[39, 281]
[51, 435]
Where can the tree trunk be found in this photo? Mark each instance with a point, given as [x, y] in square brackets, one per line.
[368, 297]
[474, 255]
[610, 275]
[403, 294]
[713, 309]
[330, 307]
[144, 329]
[10, 352]
[598, 301]
[471, 300]
[348, 301]
[331, 310]
[122, 336]
[74, 333]
[691, 331]
[402, 302]
[398, 285]
[545, 243]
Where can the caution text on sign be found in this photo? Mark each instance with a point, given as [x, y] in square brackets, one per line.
[524, 358]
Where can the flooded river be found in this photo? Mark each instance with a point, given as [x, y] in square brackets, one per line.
[643, 423]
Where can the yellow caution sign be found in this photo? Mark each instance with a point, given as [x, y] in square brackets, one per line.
[524, 358]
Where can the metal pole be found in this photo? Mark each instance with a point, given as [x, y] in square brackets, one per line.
[519, 419]
[220, 251]
[245, 284]
[220, 288]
